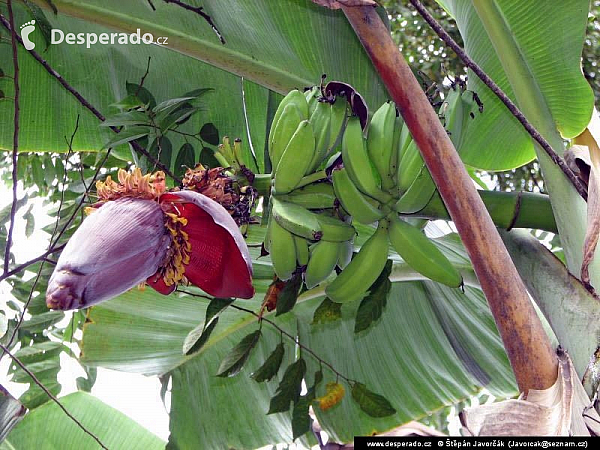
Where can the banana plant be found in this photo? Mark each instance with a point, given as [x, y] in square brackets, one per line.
[434, 344]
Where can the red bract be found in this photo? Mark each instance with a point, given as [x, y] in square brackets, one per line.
[220, 263]
[139, 233]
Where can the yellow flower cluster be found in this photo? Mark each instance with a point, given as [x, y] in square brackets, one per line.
[178, 255]
[133, 184]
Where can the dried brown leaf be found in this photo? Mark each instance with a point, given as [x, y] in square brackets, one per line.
[561, 410]
[584, 418]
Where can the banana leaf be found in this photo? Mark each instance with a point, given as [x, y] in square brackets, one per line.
[270, 47]
[11, 412]
[432, 347]
[532, 50]
[276, 45]
[48, 427]
[533, 55]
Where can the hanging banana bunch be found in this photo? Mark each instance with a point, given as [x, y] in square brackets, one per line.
[306, 230]
[383, 175]
[371, 181]
[415, 187]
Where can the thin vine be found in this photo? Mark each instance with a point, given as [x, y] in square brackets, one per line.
[51, 396]
[283, 332]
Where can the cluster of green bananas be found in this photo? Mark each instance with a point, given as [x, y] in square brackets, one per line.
[383, 176]
[230, 156]
[306, 231]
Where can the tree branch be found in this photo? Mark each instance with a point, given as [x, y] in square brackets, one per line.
[531, 355]
[52, 247]
[262, 318]
[296, 341]
[25, 265]
[514, 110]
[199, 10]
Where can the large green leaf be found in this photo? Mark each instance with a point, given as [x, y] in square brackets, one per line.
[144, 332]
[536, 62]
[48, 427]
[100, 74]
[279, 45]
[532, 50]
[432, 347]
[140, 331]
[213, 412]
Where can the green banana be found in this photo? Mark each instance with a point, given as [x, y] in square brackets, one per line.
[415, 185]
[361, 207]
[296, 219]
[226, 150]
[455, 115]
[335, 117]
[396, 149]
[360, 168]
[421, 254]
[409, 167]
[312, 98]
[282, 132]
[333, 229]
[323, 258]
[418, 194]
[380, 142]
[302, 222]
[339, 110]
[403, 143]
[283, 251]
[458, 109]
[292, 110]
[358, 276]
[302, 254]
[345, 255]
[296, 98]
[295, 159]
[237, 151]
[267, 241]
[312, 196]
[320, 120]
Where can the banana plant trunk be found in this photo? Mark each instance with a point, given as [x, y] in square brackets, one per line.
[532, 358]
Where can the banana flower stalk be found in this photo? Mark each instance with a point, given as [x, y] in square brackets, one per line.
[140, 233]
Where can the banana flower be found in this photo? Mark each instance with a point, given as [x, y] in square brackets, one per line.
[140, 233]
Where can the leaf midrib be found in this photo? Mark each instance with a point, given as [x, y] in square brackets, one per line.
[213, 53]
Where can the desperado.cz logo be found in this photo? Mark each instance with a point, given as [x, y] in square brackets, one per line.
[57, 36]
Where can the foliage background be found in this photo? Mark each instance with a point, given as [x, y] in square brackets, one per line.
[119, 334]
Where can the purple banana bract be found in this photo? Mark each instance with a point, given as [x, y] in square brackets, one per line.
[139, 233]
